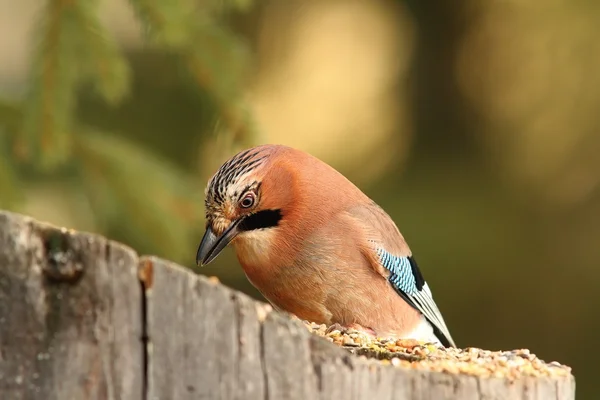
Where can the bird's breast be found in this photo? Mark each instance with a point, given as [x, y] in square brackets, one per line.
[254, 248]
[292, 286]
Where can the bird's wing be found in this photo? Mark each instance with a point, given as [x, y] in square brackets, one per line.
[389, 255]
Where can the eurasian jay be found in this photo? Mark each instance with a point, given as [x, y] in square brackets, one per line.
[316, 246]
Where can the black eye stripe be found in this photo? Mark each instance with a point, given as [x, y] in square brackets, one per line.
[261, 220]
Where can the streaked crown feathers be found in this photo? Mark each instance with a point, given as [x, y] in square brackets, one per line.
[230, 173]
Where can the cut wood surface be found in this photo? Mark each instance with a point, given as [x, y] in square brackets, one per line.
[82, 317]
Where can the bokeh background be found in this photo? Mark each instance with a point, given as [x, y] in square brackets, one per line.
[476, 125]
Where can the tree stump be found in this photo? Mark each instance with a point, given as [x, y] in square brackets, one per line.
[82, 317]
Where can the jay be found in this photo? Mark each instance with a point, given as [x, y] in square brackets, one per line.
[316, 246]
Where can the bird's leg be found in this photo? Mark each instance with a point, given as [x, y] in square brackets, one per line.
[348, 328]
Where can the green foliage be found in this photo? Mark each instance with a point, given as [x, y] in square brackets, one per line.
[153, 204]
[124, 180]
[73, 48]
[204, 44]
[104, 64]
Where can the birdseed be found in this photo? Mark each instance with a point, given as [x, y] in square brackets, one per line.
[410, 353]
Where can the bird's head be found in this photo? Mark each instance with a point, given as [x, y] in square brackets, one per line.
[247, 195]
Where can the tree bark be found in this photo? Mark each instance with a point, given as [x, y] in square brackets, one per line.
[82, 317]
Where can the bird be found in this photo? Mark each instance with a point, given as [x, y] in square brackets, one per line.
[316, 246]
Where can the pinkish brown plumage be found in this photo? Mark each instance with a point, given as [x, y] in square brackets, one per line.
[316, 246]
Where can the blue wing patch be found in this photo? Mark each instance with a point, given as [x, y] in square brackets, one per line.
[408, 282]
[401, 272]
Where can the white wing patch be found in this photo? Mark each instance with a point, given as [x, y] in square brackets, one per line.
[423, 332]
[424, 301]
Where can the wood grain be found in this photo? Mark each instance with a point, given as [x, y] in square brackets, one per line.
[275, 357]
[69, 314]
[85, 318]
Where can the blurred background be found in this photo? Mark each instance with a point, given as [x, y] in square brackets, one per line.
[476, 125]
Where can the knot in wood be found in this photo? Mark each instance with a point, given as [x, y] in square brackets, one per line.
[61, 261]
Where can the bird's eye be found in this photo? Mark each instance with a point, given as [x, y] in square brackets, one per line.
[248, 200]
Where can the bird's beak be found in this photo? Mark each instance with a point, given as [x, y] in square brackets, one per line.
[211, 244]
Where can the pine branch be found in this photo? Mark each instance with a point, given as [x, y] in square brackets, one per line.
[56, 71]
[167, 23]
[73, 46]
[101, 58]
